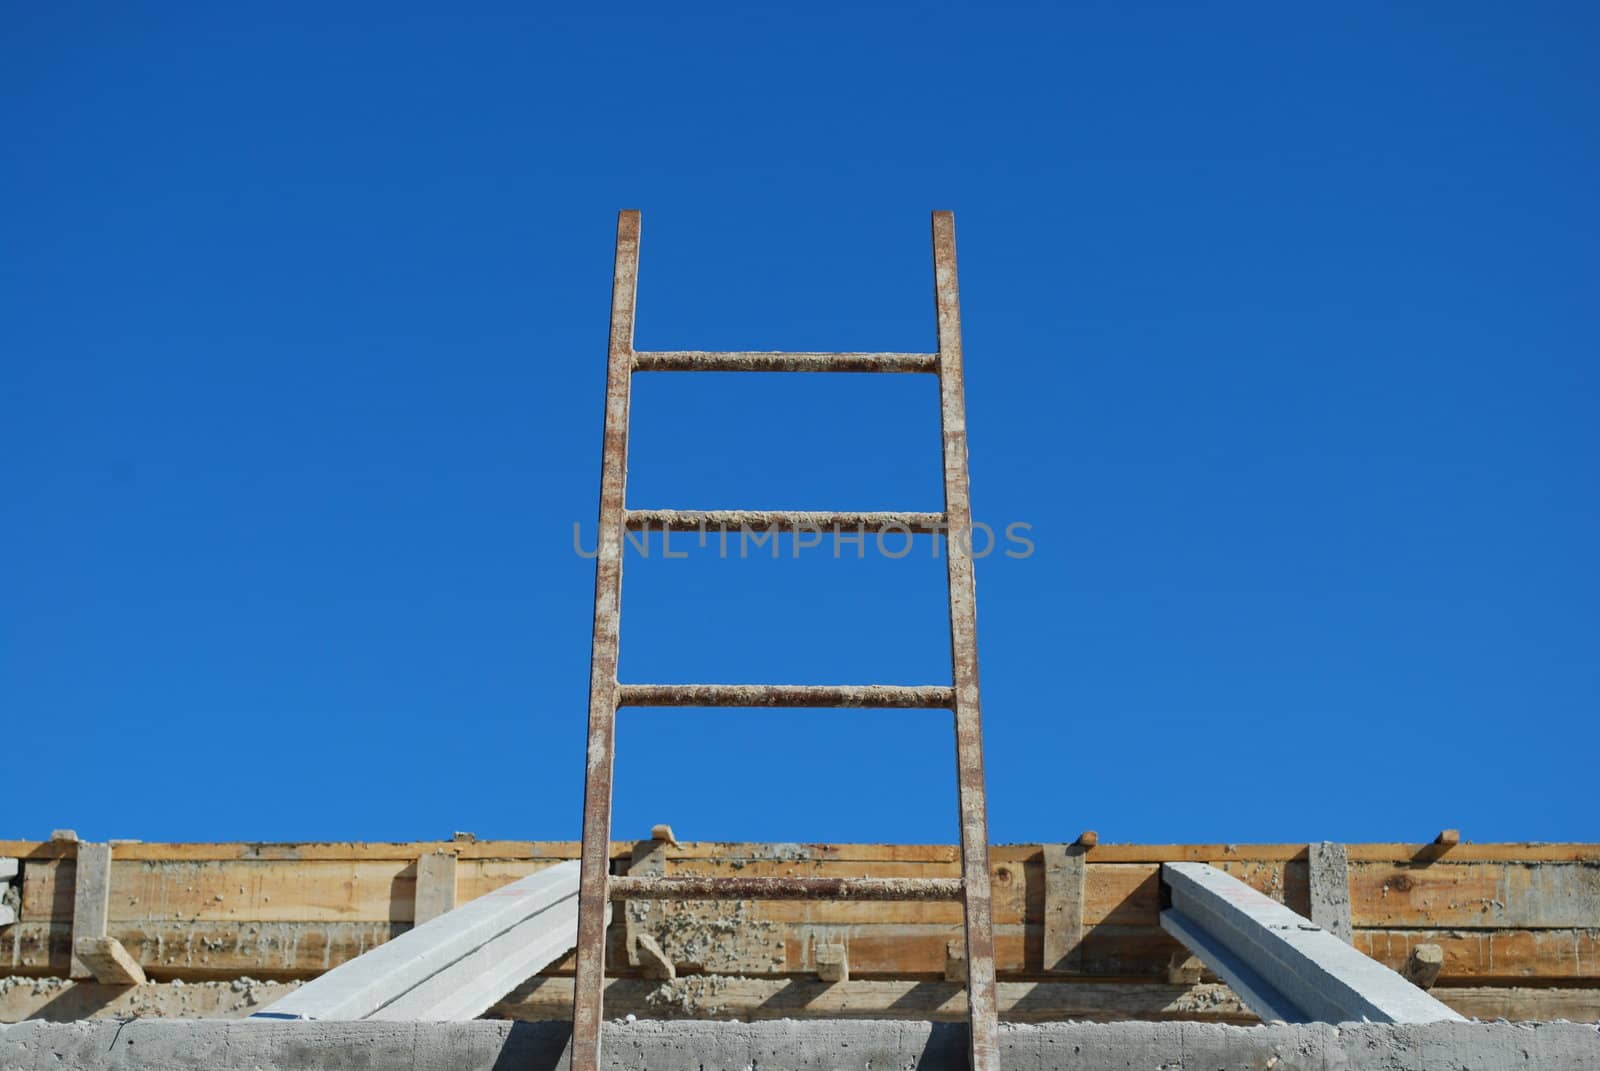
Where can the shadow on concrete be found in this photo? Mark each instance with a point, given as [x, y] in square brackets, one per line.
[946, 1047]
[81, 1001]
[534, 1047]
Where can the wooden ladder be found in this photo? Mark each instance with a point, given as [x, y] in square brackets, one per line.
[606, 695]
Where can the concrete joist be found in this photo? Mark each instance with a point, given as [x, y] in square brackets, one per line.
[1283, 965]
[455, 967]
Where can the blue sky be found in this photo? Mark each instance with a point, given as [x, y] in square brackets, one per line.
[1280, 333]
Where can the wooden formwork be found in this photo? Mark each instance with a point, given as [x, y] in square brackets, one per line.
[1076, 931]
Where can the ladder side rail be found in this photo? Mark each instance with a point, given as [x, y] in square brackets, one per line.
[593, 892]
[979, 913]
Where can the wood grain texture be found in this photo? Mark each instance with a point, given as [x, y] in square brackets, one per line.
[1501, 913]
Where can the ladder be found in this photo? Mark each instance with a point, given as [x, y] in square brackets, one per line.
[596, 885]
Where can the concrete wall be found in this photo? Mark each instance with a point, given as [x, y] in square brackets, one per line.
[788, 1045]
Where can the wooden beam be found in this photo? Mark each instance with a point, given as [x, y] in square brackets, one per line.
[714, 996]
[1475, 895]
[108, 961]
[64, 1001]
[283, 911]
[407, 851]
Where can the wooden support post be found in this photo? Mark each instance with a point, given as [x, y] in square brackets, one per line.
[91, 901]
[94, 954]
[640, 916]
[1330, 889]
[1423, 965]
[436, 886]
[1064, 866]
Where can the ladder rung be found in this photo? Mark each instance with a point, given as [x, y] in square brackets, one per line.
[702, 888]
[874, 696]
[771, 361]
[783, 520]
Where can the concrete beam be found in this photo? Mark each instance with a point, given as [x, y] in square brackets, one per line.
[1329, 874]
[1064, 876]
[1283, 965]
[793, 1046]
[436, 886]
[8, 870]
[456, 966]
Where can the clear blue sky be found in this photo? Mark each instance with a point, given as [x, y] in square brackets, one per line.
[1281, 333]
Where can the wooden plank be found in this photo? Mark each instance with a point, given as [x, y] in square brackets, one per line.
[1484, 955]
[559, 850]
[1523, 1003]
[400, 851]
[1480, 895]
[61, 1001]
[259, 890]
[204, 950]
[751, 998]
[225, 949]
[58, 1000]
[334, 890]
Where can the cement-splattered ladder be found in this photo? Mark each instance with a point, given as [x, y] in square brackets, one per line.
[606, 695]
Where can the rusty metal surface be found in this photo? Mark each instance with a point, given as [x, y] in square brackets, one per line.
[862, 696]
[605, 694]
[981, 1000]
[699, 361]
[783, 520]
[698, 888]
[592, 899]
